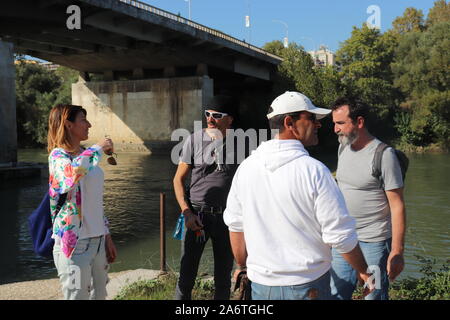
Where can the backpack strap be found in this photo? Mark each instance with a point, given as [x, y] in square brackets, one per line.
[376, 162]
[61, 201]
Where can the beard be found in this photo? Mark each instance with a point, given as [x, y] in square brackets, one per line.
[349, 139]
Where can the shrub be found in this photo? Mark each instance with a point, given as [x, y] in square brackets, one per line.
[434, 285]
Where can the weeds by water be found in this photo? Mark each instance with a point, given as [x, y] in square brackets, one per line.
[433, 285]
[163, 288]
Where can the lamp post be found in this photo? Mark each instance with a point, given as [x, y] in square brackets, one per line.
[286, 39]
[189, 4]
[247, 22]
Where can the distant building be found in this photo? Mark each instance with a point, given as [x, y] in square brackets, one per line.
[49, 65]
[323, 56]
[25, 61]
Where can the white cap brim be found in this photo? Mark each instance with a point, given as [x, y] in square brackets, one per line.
[320, 112]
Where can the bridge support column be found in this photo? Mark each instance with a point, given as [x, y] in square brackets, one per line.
[8, 127]
[140, 115]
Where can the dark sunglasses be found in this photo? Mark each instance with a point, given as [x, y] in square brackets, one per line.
[215, 115]
[313, 117]
[111, 160]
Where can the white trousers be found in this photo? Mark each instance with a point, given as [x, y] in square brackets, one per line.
[83, 276]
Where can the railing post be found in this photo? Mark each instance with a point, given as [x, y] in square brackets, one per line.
[162, 233]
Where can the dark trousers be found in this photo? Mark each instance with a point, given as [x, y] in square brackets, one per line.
[191, 252]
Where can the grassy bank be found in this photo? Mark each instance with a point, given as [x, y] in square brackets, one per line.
[163, 288]
[435, 148]
[433, 285]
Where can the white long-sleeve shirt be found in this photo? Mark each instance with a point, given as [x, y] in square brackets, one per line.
[291, 212]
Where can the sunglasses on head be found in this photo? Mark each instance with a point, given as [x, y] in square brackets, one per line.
[215, 115]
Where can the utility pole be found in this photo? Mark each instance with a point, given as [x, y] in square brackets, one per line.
[286, 39]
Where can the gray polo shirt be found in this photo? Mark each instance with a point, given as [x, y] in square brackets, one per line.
[210, 182]
[365, 200]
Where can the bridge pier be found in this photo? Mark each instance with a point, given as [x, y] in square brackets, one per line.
[140, 115]
[8, 131]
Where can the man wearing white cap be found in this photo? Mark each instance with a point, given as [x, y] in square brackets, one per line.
[285, 212]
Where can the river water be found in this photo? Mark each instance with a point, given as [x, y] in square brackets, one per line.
[132, 191]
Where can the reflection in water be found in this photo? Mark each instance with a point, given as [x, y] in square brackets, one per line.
[18, 262]
[428, 209]
[132, 205]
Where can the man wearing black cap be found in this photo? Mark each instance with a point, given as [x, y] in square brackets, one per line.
[211, 169]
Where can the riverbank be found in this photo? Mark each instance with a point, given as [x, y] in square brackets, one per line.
[145, 284]
[434, 148]
[50, 289]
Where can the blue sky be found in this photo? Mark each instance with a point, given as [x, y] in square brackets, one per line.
[310, 22]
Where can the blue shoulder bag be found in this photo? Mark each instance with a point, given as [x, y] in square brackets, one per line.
[41, 226]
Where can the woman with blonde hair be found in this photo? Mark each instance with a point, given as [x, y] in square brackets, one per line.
[83, 246]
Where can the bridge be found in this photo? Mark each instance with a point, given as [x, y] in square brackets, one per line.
[143, 71]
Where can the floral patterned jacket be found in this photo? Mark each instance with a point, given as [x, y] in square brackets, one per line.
[65, 175]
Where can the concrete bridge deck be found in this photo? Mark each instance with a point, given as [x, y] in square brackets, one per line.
[126, 39]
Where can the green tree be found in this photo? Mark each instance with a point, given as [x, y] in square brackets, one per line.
[321, 84]
[411, 21]
[331, 85]
[68, 77]
[421, 72]
[439, 13]
[37, 91]
[364, 60]
[283, 80]
[298, 72]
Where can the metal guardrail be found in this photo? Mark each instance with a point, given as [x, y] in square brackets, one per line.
[219, 34]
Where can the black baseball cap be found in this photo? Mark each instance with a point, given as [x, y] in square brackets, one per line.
[222, 103]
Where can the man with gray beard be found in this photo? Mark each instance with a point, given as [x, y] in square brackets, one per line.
[203, 201]
[378, 209]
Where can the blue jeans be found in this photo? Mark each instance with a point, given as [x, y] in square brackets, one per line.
[343, 276]
[318, 289]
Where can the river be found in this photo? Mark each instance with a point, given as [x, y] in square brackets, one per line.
[132, 191]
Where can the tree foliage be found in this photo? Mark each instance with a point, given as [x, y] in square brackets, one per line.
[298, 72]
[421, 69]
[364, 61]
[411, 21]
[439, 13]
[37, 91]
